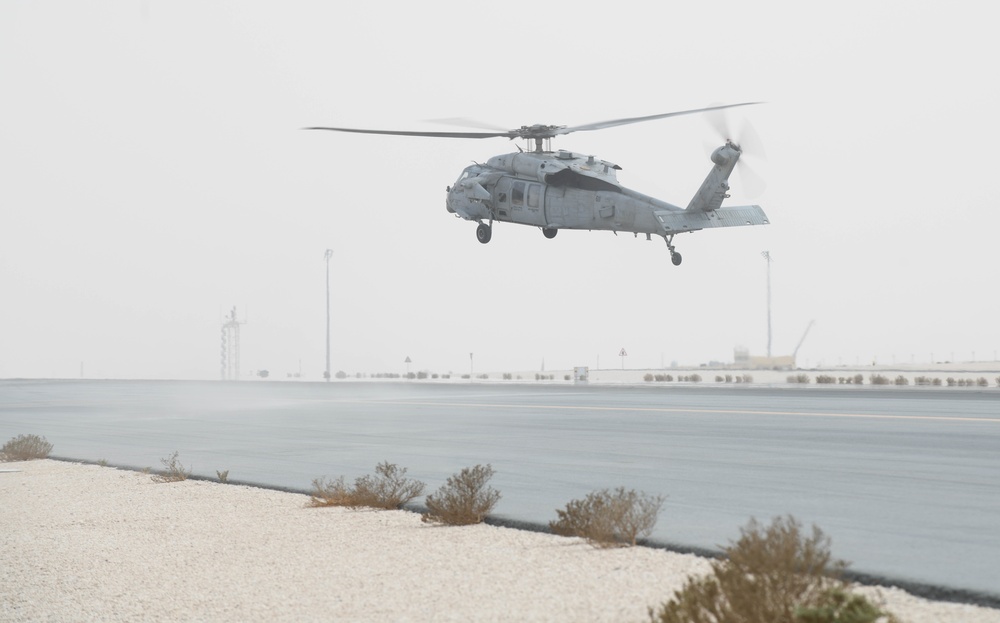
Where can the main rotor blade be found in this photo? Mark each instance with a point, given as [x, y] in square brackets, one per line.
[409, 133]
[600, 125]
[468, 123]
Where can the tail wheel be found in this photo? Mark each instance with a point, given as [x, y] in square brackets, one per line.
[483, 233]
[549, 233]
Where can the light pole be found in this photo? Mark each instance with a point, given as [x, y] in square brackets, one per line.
[327, 256]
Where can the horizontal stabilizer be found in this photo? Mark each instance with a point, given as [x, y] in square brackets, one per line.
[686, 220]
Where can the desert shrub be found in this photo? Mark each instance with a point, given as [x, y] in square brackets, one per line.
[998, 381]
[607, 518]
[982, 382]
[798, 378]
[466, 498]
[769, 574]
[936, 382]
[729, 378]
[836, 605]
[826, 379]
[25, 448]
[695, 378]
[950, 381]
[902, 380]
[330, 492]
[173, 470]
[648, 377]
[507, 376]
[102, 462]
[388, 488]
[747, 378]
[922, 381]
[878, 379]
[223, 475]
[859, 379]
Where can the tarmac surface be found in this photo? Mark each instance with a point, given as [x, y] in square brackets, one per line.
[904, 480]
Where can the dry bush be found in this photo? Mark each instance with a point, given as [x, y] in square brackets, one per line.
[774, 574]
[837, 605]
[389, 488]
[223, 476]
[465, 499]
[25, 448]
[173, 470]
[330, 492]
[607, 518]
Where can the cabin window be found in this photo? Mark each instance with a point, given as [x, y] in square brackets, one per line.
[534, 191]
[517, 194]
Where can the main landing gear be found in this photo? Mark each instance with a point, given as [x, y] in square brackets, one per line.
[675, 257]
[484, 233]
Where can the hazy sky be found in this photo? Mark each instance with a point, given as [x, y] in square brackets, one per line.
[153, 174]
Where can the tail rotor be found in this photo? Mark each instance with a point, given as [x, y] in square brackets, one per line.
[748, 143]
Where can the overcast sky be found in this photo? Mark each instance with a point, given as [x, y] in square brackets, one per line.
[153, 174]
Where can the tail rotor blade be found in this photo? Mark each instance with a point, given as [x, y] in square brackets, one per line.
[753, 184]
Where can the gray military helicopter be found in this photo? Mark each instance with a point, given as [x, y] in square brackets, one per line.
[555, 190]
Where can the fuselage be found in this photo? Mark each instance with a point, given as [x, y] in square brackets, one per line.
[554, 190]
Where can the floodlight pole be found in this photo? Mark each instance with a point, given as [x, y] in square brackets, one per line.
[767, 256]
[327, 256]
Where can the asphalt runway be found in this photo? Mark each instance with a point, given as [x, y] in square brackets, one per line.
[905, 480]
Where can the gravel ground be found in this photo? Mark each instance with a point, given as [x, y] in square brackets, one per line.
[89, 543]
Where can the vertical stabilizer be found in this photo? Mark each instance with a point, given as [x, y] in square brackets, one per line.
[715, 188]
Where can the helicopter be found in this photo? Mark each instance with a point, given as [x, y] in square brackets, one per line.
[555, 190]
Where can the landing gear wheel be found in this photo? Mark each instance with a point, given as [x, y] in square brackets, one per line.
[675, 257]
[483, 233]
[549, 233]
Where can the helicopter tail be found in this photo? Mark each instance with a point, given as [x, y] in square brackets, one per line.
[677, 221]
[715, 188]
